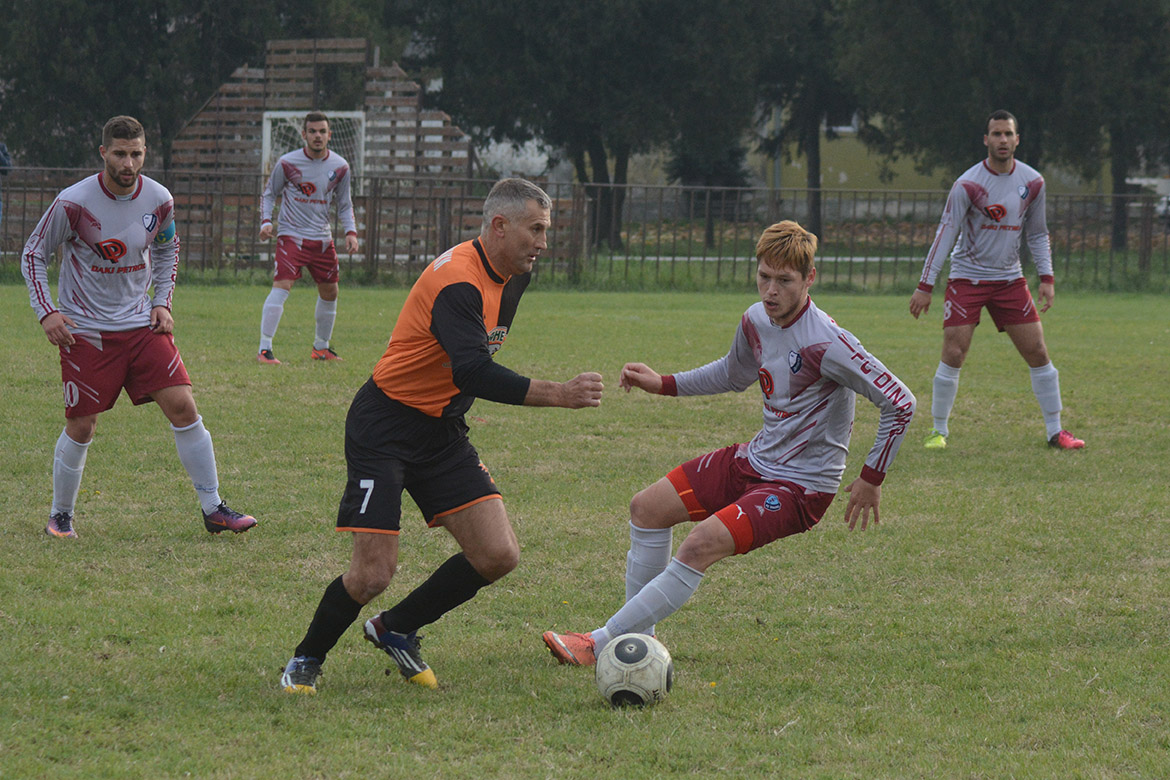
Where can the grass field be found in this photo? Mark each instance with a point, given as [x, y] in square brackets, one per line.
[1009, 618]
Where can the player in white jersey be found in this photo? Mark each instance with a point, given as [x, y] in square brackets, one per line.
[745, 496]
[989, 207]
[116, 233]
[307, 180]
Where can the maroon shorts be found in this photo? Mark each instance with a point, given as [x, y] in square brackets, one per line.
[755, 510]
[293, 254]
[95, 368]
[1008, 303]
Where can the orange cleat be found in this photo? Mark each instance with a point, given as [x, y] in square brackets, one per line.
[324, 354]
[571, 648]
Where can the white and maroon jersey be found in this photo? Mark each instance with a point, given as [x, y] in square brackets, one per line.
[306, 188]
[809, 373]
[987, 212]
[114, 249]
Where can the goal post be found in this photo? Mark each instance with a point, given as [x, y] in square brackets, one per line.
[282, 134]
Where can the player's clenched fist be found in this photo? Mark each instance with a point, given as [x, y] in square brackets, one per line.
[584, 390]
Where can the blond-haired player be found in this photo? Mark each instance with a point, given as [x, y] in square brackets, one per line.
[747, 495]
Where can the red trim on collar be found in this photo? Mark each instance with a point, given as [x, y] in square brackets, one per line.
[994, 172]
[799, 314]
[113, 196]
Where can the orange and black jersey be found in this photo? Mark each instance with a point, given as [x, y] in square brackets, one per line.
[439, 359]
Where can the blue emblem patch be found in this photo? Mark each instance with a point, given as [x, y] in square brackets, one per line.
[150, 221]
[1023, 192]
[166, 234]
[795, 361]
[771, 503]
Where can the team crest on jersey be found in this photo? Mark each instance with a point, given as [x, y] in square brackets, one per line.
[496, 338]
[795, 361]
[149, 221]
[1023, 190]
[332, 175]
[771, 503]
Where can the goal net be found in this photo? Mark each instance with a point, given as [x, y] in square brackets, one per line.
[282, 134]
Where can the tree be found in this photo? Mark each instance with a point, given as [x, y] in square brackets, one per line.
[1122, 57]
[598, 80]
[799, 77]
[69, 65]
[933, 77]
[713, 111]
[1089, 81]
[709, 167]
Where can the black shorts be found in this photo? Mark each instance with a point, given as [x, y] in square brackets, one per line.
[390, 447]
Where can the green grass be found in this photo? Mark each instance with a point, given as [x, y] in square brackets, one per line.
[1007, 619]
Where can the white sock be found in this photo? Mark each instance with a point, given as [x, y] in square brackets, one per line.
[942, 399]
[648, 556]
[1046, 388]
[270, 317]
[68, 465]
[661, 598]
[198, 457]
[325, 315]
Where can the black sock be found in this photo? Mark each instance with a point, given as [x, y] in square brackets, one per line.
[334, 615]
[453, 583]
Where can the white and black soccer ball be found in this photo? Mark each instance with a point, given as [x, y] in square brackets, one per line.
[634, 670]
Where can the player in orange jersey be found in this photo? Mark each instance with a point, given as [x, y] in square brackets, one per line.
[406, 431]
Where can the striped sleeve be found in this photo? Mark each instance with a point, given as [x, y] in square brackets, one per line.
[50, 232]
[847, 363]
[944, 238]
[271, 190]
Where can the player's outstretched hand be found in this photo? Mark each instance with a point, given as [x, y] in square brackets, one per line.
[919, 303]
[642, 376]
[57, 327]
[863, 498]
[583, 390]
[266, 231]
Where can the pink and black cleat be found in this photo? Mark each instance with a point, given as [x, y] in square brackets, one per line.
[227, 519]
[61, 526]
[1066, 441]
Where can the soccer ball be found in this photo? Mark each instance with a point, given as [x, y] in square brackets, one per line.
[634, 669]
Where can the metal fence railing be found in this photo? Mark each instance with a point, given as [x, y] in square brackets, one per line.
[628, 236]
